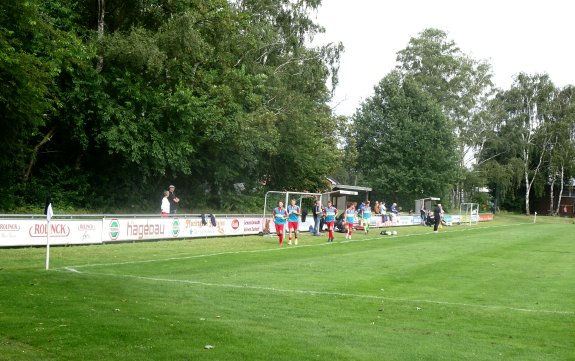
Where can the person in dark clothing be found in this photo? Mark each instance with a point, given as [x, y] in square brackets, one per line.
[173, 200]
[423, 215]
[317, 214]
[437, 217]
[429, 220]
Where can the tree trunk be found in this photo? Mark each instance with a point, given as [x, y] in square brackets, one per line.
[527, 192]
[528, 182]
[101, 13]
[562, 180]
[459, 198]
[44, 140]
[552, 194]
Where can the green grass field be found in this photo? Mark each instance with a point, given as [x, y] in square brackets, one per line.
[502, 290]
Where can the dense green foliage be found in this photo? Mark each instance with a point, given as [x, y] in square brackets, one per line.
[457, 134]
[103, 104]
[502, 290]
[406, 143]
[524, 110]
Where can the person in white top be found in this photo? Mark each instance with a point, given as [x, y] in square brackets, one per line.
[165, 204]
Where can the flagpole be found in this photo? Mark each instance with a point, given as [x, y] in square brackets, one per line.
[48, 245]
[49, 213]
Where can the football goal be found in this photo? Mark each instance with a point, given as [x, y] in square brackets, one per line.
[304, 200]
[469, 213]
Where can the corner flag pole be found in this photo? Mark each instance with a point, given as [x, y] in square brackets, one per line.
[49, 213]
[48, 245]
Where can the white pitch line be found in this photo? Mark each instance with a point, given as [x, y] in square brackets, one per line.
[277, 249]
[324, 293]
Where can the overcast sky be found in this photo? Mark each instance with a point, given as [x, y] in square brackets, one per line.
[513, 36]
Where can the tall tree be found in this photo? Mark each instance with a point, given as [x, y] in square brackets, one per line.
[128, 95]
[562, 146]
[294, 78]
[459, 84]
[405, 143]
[38, 54]
[526, 111]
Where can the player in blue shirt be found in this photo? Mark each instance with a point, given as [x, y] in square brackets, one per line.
[366, 216]
[293, 220]
[330, 212]
[349, 219]
[280, 215]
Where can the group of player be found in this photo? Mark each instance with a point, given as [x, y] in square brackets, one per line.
[291, 214]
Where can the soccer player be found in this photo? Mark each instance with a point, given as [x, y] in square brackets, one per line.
[330, 213]
[349, 219]
[293, 220]
[366, 216]
[280, 216]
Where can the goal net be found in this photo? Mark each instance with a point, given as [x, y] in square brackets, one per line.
[469, 213]
[304, 200]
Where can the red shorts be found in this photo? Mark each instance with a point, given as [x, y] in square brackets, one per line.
[349, 225]
[293, 225]
[279, 228]
[330, 225]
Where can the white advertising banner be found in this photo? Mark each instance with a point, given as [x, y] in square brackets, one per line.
[122, 229]
[33, 232]
[193, 227]
[137, 229]
[302, 226]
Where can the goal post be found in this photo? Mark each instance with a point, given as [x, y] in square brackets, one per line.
[469, 213]
[273, 197]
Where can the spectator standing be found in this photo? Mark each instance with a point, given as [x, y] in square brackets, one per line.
[383, 211]
[437, 217]
[360, 209]
[165, 204]
[293, 221]
[422, 214]
[317, 214]
[330, 212]
[173, 199]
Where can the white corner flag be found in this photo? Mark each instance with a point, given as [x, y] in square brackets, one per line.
[49, 213]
